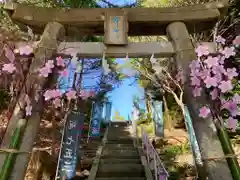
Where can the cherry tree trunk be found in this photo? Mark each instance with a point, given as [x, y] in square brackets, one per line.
[51, 37]
[206, 132]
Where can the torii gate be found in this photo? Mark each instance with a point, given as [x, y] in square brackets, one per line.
[116, 24]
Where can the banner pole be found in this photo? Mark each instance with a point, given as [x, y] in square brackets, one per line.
[90, 122]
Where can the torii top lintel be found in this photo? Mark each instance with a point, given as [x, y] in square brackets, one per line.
[141, 21]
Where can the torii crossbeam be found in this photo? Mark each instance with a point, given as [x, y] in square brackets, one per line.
[142, 21]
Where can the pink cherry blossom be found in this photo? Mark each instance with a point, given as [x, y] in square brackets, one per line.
[195, 72]
[218, 77]
[214, 93]
[228, 52]
[44, 71]
[225, 103]
[231, 73]
[60, 61]
[232, 107]
[28, 110]
[204, 112]
[10, 68]
[220, 39]
[221, 59]
[211, 61]
[210, 82]
[47, 95]
[57, 102]
[194, 64]
[204, 73]
[219, 69]
[236, 41]
[197, 91]
[232, 123]
[202, 50]
[71, 94]
[64, 73]
[56, 93]
[236, 98]
[25, 50]
[195, 81]
[49, 64]
[9, 54]
[225, 86]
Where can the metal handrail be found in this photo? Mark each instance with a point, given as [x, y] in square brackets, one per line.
[160, 172]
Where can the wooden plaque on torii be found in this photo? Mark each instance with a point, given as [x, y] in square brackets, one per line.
[116, 28]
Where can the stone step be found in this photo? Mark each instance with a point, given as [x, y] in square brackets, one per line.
[118, 145]
[118, 129]
[126, 129]
[120, 161]
[88, 149]
[120, 155]
[118, 137]
[119, 124]
[118, 170]
[132, 151]
[118, 133]
[120, 152]
[131, 148]
[121, 128]
[120, 141]
[122, 178]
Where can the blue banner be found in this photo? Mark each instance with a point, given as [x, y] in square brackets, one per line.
[96, 118]
[158, 118]
[108, 112]
[192, 137]
[70, 145]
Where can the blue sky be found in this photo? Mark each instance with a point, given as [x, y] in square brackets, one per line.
[119, 2]
[122, 97]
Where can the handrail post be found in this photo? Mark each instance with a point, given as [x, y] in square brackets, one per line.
[158, 167]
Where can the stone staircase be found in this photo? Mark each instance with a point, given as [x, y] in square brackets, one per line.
[117, 159]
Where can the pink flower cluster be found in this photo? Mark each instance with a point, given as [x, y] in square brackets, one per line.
[208, 71]
[47, 69]
[55, 95]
